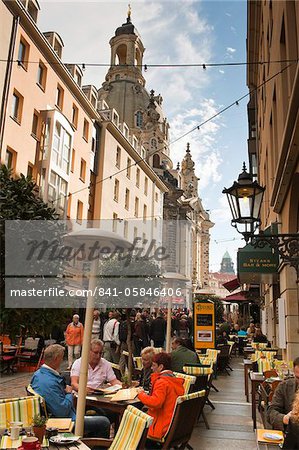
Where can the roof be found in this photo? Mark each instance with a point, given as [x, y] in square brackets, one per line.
[237, 297]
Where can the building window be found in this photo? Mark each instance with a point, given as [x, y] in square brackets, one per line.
[145, 186]
[35, 125]
[86, 129]
[73, 160]
[129, 168]
[126, 227]
[144, 213]
[23, 53]
[79, 212]
[136, 207]
[118, 156]
[116, 190]
[59, 97]
[10, 159]
[139, 119]
[61, 148]
[114, 222]
[17, 106]
[137, 177]
[41, 75]
[82, 170]
[30, 170]
[57, 191]
[127, 199]
[75, 114]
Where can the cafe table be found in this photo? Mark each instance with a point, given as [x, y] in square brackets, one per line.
[105, 402]
[256, 379]
[247, 368]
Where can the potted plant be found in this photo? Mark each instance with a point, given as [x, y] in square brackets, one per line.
[125, 381]
[39, 427]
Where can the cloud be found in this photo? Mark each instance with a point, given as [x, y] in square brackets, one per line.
[230, 50]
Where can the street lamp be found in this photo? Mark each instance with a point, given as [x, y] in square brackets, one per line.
[245, 199]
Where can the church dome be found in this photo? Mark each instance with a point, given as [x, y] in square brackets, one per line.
[126, 28]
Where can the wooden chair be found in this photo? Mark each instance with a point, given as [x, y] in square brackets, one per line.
[31, 392]
[202, 374]
[116, 370]
[189, 380]
[131, 434]
[270, 373]
[7, 360]
[223, 358]
[187, 410]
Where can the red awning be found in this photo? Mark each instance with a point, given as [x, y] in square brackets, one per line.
[231, 285]
[237, 297]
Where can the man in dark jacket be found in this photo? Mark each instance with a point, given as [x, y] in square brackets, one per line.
[181, 356]
[158, 330]
[279, 411]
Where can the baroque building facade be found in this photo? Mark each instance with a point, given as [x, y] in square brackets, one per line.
[273, 144]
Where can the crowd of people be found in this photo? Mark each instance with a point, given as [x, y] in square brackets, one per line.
[228, 331]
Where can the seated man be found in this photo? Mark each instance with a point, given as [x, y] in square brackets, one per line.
[147, 355]
[279, 411]
[99, 369]
[181, 356]
[48, 383]
[259, 337]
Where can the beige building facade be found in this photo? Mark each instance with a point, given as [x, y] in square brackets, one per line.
[273, 35]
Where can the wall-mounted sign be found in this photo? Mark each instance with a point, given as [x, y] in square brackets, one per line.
[257, 265]
[204, 324]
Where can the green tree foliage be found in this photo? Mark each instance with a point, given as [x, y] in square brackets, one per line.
[19, 201]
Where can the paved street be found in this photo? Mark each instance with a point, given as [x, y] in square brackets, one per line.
[230, 423]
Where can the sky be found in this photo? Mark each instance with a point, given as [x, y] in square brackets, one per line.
[177, 32]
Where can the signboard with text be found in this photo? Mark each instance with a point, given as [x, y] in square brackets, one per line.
[204, 324]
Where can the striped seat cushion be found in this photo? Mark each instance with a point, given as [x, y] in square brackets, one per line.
[197, 371]
[263, 354]
[207, 361]
[188, 380]
[138, 362]
[19, 409]
[130, 431]
[212, 353]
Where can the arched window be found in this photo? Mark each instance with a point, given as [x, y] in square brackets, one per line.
[156, 161]
[121, 54]
[139, 119]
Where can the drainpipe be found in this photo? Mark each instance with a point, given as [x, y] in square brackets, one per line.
[16, 21]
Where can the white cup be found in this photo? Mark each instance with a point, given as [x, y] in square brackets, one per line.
[15, 432]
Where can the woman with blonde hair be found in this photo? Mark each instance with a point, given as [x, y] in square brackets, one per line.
[291, 441]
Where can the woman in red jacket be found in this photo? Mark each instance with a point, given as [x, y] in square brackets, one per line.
[166, 388]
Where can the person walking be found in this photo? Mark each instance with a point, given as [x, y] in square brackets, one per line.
[158, 330]
[96, 325]
[111, 338]
[74, 339]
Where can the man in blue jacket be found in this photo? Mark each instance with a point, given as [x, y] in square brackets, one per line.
[48, 383]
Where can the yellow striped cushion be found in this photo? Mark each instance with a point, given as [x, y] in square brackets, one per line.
[259, 345]
[212, 353]
[265, 364]
[184, 398]
[263, 354]
[22, 410]
[130, 431]
[188, 380]
[142, 414]
[197, 371]
[207, 361]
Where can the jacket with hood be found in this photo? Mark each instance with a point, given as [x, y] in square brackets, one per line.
[166, 388]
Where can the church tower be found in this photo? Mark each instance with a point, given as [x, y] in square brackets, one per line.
[124, 90]
[189, 181]
[227, 265]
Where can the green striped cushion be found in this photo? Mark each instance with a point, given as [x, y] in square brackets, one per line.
[212, 353]
[142, 414]
[188, 380]
[130, 431]
[197, 371]
[21, 410]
